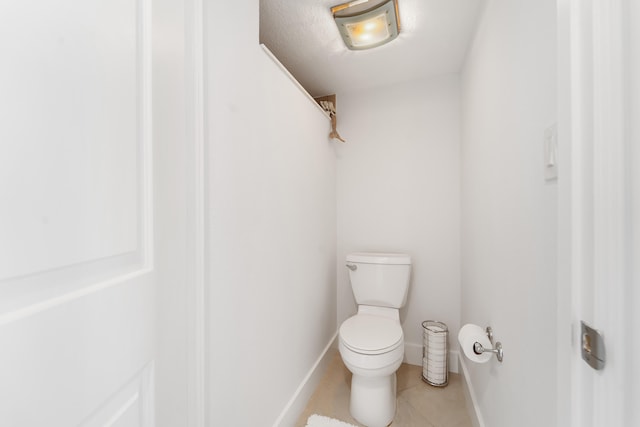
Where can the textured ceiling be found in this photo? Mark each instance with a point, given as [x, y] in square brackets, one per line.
[302, 34]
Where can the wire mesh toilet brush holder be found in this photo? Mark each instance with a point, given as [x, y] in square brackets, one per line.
[435, 358]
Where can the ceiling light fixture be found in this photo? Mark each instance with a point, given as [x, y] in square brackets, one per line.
[364, 24]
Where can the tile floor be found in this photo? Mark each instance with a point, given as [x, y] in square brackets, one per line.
[419, 404]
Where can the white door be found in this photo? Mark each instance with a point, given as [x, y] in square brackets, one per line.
[76, 261]
[599, 219]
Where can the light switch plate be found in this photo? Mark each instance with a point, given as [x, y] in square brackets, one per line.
[551, 153]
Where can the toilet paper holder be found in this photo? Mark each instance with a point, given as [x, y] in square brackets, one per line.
[497, 350]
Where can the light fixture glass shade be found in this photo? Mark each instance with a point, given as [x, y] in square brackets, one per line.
[367, 24]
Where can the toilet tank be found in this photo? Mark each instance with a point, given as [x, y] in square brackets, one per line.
[379, 279]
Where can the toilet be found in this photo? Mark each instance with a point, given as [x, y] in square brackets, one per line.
[371, 343]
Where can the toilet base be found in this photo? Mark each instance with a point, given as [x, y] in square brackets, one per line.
[373, 399]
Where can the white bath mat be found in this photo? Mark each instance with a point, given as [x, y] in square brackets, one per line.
[322, 421]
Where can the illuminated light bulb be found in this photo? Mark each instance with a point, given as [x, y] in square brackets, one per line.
[370, 26]
[371, 31]
[365, 25]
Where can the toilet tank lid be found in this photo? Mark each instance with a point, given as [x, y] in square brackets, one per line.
[379, 258]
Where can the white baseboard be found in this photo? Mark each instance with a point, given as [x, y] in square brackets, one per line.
[301, 396]
[413, 356]
[470, 396]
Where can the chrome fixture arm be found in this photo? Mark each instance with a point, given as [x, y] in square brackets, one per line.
[479, 348]
[490, 333]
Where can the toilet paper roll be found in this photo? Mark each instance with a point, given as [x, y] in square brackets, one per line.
[436, 357]
[438, 348]
[468, 336]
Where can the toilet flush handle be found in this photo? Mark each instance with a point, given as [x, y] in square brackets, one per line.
[352, 267]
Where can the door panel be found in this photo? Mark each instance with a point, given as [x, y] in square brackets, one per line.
[597, 205]
[76, 266]
[59, 365]
[71, 122]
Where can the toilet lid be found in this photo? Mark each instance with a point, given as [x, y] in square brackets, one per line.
[365, 333]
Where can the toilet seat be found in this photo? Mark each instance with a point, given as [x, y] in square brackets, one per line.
[370, 334]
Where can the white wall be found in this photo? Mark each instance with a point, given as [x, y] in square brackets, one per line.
[271, 226]
[399, 191]
[634, 135]
[509, 212]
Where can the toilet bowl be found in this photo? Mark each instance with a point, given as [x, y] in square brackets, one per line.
[373, 359]
[371, 343]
